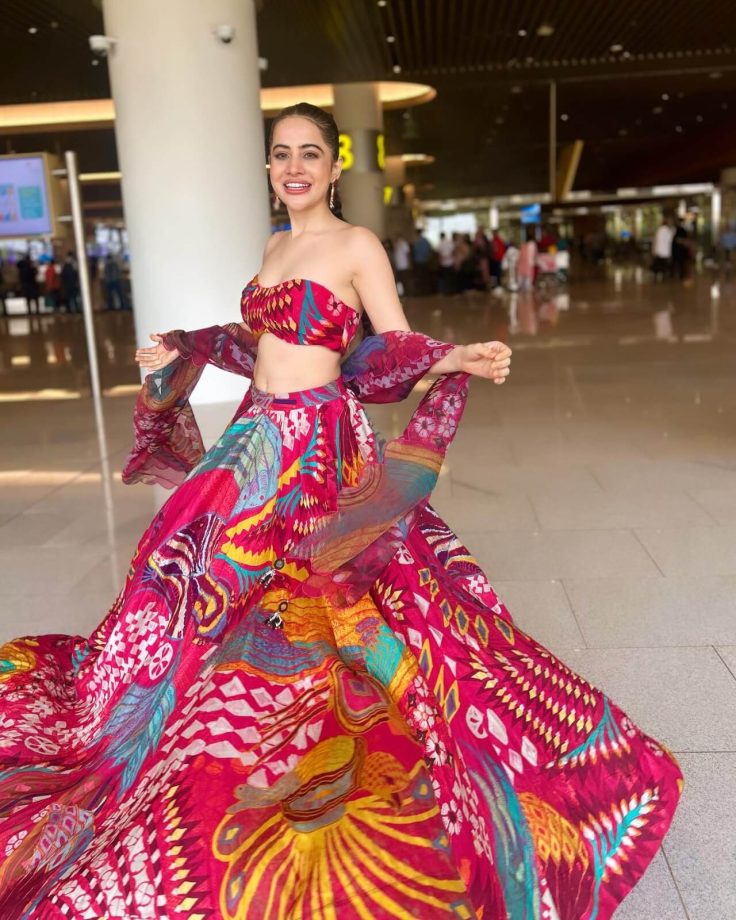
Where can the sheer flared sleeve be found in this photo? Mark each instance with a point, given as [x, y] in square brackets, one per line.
[168, 442]
[351, 547]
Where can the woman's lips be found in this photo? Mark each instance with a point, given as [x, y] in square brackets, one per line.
[298, 188]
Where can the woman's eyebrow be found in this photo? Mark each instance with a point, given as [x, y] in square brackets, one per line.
[301, 146]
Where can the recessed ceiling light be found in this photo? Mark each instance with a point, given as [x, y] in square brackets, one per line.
[382, 2]
[54, 24]
[698, 118]
[545, 30]
[665, 96]
[95, 62]
[516, 90]
[678, 128]
[616, 48]
[657, 110]
[564, 117]
[390, 38]
[623, 132]
[724, 105]
[397, 68]
[32, 30]
[522, 33]
[716, 75]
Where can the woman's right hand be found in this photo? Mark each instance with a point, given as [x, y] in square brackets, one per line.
[153, 359]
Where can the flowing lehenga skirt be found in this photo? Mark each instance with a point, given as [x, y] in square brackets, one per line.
[231, 743]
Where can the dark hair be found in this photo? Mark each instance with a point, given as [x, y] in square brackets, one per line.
[327, 128]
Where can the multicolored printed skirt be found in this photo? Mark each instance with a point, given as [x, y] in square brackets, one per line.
[230, 743]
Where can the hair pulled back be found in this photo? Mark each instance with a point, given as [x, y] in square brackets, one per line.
[327, 127]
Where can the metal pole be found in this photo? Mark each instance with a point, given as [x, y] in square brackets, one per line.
[553, 141]
[75, 199]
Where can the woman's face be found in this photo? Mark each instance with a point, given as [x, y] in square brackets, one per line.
[301, 166]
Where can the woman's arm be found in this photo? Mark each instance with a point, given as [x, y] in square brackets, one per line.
[373, 279]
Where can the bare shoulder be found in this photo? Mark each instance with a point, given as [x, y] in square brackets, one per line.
[274, 241]
[363, 248]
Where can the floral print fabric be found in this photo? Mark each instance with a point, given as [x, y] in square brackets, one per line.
[307, 700]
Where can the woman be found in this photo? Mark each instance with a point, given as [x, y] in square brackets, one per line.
[307, 700]
[527, 262]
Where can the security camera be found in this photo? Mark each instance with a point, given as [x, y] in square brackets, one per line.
[225, 33]
[101, 45]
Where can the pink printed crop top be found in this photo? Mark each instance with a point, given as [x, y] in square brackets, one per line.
[300, 312]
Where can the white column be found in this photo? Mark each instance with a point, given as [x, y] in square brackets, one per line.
[190, 142]
[359, 116]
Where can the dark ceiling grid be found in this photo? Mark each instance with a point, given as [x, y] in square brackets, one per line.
[407, 40]
[343, 31]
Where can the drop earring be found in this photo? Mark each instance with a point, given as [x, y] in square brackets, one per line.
[332, 196]
[276, 202]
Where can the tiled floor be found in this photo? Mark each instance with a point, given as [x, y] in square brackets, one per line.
[598, 490]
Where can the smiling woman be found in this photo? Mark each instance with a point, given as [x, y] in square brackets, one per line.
[307, 699]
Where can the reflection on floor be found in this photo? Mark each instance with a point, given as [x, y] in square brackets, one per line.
[598, 490]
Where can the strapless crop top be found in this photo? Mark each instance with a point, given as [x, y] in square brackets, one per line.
[300, 312]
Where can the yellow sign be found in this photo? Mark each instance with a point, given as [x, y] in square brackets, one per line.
[347, 151]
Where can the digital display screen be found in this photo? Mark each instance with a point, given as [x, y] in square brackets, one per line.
[24, 197]
[531, 213]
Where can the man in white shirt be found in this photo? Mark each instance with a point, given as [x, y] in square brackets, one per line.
[446, 259]
[662, 250]
[402, 264]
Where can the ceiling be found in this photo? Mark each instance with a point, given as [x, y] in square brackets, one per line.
[650, 87]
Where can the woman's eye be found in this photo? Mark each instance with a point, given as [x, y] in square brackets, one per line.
[280, 156]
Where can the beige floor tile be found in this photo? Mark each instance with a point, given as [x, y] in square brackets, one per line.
[692, 551]
[701, 846]
[46, 570]
[685, 697]
[728, 654]
[655, 897]
[655, 611]
[31, 529]
[519, 555]
[42, 614]
[719, 503]
[542, 610]
[468, 509]
[107, 575]
[656, 475]
[595, 509]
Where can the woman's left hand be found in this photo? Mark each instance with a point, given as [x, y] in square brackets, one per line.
[491, 360]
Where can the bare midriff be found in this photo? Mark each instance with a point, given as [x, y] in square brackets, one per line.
[285, 368]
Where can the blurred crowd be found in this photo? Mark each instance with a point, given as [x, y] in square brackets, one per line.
[55, 284]
[485, 261]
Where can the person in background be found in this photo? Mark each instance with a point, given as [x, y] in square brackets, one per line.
[113, 286]
[482, 257]
[498, 250]
[28, 272]
[527, 262]
[4, 288]
[402, 264]
[463, 263]
[662, 250]
[680, 251]
[548, 240]
[728, 244]
[510, 265]
[70, 284]
[446, 279]
[51, 286]
[422, 256]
